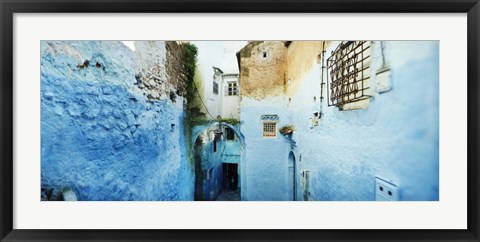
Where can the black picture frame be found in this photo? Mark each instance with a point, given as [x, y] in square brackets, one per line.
[9, 7]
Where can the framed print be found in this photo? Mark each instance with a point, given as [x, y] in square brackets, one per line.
[252, 121]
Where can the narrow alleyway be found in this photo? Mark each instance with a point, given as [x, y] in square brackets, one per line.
[228, 196]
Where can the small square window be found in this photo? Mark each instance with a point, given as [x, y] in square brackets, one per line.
[264, 54]
[269, 129]
[232, 89]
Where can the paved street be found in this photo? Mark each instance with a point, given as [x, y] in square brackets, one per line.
[228, 196]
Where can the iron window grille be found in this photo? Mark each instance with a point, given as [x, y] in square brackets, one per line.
[269, 129]
[348, 76]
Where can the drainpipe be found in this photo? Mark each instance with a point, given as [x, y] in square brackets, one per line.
[320, 113]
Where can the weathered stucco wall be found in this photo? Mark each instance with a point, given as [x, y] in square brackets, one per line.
[151, 75]
[301, 57]
[395, 137]
[265, 166]
[101, 136]
[261, 76]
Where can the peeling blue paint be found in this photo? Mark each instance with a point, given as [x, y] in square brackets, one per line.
[100, 136]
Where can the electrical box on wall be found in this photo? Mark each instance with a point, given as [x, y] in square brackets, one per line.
[384, 83]
[385, 191]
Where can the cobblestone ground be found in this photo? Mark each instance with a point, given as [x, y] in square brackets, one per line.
[228, 196]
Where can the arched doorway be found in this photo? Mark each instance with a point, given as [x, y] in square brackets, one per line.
[217, 155]
[292, 186]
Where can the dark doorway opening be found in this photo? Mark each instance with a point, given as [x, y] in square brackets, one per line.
[230, 134]
[230, 177]
[292, 178]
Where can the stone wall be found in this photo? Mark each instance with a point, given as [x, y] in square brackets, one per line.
[104, 137]
[261, 76]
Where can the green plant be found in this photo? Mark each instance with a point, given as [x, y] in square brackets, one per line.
[190, 57]
[203, 120]
[200, 120]
[231, 121]
[287, 129]
[190, 52]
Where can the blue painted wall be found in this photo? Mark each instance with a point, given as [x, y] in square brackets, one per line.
[100, 136]
[395, 138]
[265, 166]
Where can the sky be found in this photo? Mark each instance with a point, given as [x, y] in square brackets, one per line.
[130, 44]
[221, 54]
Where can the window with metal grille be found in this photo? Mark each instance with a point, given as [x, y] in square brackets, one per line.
[269, 129]
[348, 73]
[215, 88]
[232, 89]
